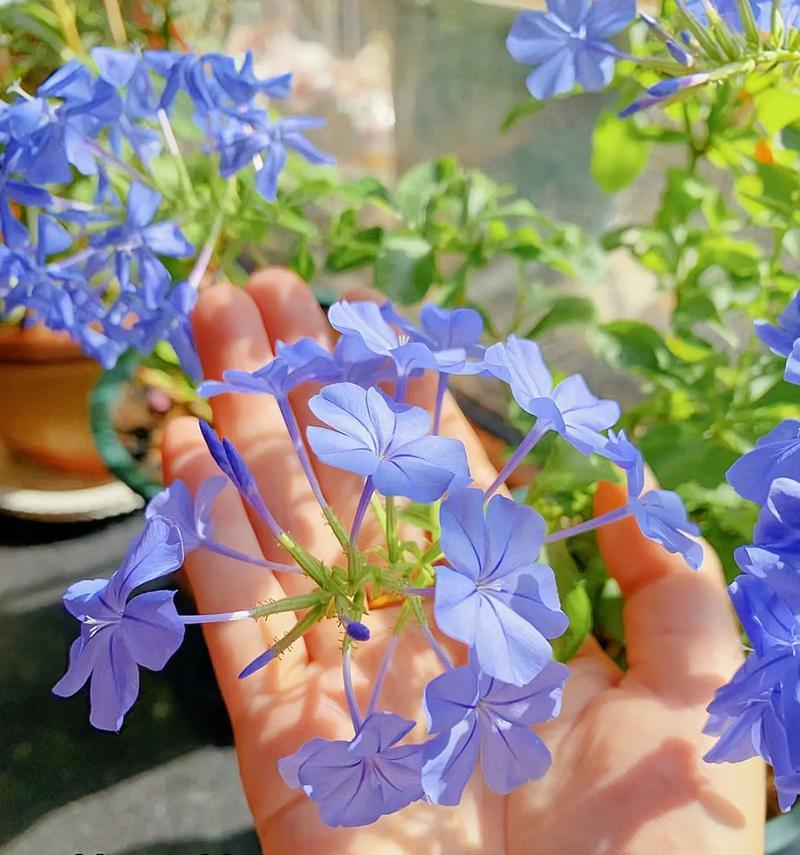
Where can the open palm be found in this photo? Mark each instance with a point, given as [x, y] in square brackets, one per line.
[627, 774]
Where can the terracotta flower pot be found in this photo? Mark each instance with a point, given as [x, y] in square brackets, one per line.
[45, 383]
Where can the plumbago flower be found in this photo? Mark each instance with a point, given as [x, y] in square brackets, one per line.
[784, 338]
[758, 712]
[571, 44]
[98, 155]
[480, 559]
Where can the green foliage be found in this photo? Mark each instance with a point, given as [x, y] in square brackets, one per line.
[619, 152]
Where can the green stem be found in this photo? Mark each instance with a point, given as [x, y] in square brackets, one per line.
[392, 544]
[299, 629]
[290, 604]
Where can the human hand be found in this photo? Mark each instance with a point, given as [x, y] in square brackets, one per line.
[627, 774]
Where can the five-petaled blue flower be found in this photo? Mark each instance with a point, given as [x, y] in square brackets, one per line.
[476, 716]
[357, 782]
[452, 336]
[119, 633]
[661, 516]
[366, 333]
[492, 595]
[294, 364]
[192, 516]
[757, 713]
[778, 526]
[620, 450]
[784, 339]
[776, 455]
[388, 442]
[258, 135]
[140, 239]
[570, 408]
[569, 44]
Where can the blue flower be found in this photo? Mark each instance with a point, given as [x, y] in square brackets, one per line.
[452, 336]
[63, 137]
[15, 235]
[368, 334]
[570, 44]
[232, 464]
[476, 717]
[294, 364]
[620, 450]
[256, 134]
[661, 516]
[134, 71]
[778, 526]
[357, 782]
[240, 84]
[191, 516]
[140, 240]
[119, 633]
[491, 595]
[776, 455]
[663, 90]
[570, 408]
[782, 574]
[784, 339]
[757, 713]
[389, 442]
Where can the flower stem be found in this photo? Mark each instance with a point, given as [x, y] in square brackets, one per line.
[361, 509]
[293, 430]
[174, 150]
[401, 388]
[589, 525]
[222, 617]
[392, 544]
[534, 435]
[120, 164]
[437, 408]
[221, 549]
[440, 652]
[387, 658]
[349, 694]
[204, 257]
[115, 22]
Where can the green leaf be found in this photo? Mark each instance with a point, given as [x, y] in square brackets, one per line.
[632, 345]
[619, 154]
[777, 108]
[303, 263]
[564, 311]
[526, 108]
[405, 267]
[578, 608]
[414, 192]
[609, 611]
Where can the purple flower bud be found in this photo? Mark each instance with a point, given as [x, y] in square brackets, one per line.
[672, 85]
[357, 630]
[258, 663]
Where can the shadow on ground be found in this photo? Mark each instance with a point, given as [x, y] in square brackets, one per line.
[50, 755]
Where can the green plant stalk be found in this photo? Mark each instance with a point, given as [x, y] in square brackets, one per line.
[313, 616]
[392, 544]
[310, 565]
[290, 604]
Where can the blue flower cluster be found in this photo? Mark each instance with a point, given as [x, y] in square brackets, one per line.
[94, 257]
[485, 570]
[571, 44]
[757, 713]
